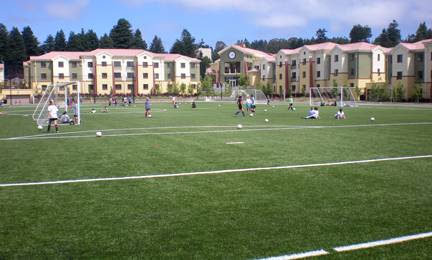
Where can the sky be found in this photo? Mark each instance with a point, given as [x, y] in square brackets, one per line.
[217, 20]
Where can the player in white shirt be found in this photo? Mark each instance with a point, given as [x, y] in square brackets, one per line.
[340, 114]
[52, 115]
[248, 103]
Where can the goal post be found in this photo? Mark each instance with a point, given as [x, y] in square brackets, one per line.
[52, 92]
[259, 96]
[335, 96]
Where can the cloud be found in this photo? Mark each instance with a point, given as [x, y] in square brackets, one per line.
[70, 10]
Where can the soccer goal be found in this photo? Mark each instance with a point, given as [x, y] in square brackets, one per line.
[335, 96]
[52, 92]
[259, 96]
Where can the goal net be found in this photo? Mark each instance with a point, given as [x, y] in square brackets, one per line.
[331, 96]
[259, 96]
[54, 92]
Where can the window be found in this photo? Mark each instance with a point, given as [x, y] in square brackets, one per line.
[293, 88]
[194, 86]
[352, 57]
[117, 86]
[318, 85]
[145, 64]
[145, 86]
[104, 63]
[336, 72]
[169, 76]
[264, 77]
[90, 87]
[169, 64]
[379, 72]
[304, 61]
[183, 76]
[43, 75]
[156, 64]
[378, 57]
[336, 58]
[293, 75]
[73, 64]
[104, 75]
[304, 74]
[74, 76]
[156, 75]
[280, 64]
[351, 85]
[104, 86]
[399, 58]
[263, 67]
[130, 64]
[145, 75]
[280, 75]
[130, 86]
[117, 64]
[130, 75]
[352, 72]
[192, 65]
[420, 74]
[399, 75]
[90, 64]
[117, 75]
[294, 63]
[90, 75]
[420, 57]
[318, 74]
[74, 87]
[193, 76]
[44, 87]
[43, 64]
[61, 76]
[60, 64]
[318, 60]
[183, 65]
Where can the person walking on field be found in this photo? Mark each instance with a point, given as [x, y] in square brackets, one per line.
[147, 107]
[52, 116]
[240, 106]
[290, 100]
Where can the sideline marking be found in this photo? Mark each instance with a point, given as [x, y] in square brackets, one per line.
[382, 242]
[264, 128]
[214, 172]
[298, 256]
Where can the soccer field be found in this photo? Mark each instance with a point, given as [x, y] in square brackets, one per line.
[188, 184]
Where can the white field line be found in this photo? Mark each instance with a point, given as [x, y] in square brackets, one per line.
[382, 242]
[298, 256]
[214, 172]
[262, 128]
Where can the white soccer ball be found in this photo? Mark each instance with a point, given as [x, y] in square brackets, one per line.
[372, 118]
[40, 127]
[251, 114]
[272, 106]
[98, 134]
[293, 108]
[149, 116]
[265, 110]
[266, 120]
[218, 105]
[239, 126]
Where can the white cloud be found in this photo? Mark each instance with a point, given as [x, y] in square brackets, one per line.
[70, 10]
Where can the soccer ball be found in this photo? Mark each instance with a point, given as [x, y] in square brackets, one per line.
[293, 108]
[372, 118]
[40, 127]
[251, 115]
[218, 105]
[272, 106]
[239, 126]
[98, 134]
[149, 116]
[265, 110]
[266, 120]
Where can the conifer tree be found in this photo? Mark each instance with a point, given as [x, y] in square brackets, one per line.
[92, 41]
[106, 42]
[31, 43]
[4, 34]
[60, 41]
[16, 48]
[122, 35]
[48, 45]
[156, 46]
[138, 42]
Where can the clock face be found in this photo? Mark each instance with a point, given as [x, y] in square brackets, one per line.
[232, 55]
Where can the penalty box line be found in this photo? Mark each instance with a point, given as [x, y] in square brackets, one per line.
[214, 172]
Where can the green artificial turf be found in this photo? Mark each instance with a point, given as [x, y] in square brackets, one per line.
[248, 214]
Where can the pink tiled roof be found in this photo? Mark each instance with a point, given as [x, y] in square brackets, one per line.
[74, 55]
[322, 46]
[253, 70]
[415, 46]
[357, 46]
[252, 51]
[291, 51]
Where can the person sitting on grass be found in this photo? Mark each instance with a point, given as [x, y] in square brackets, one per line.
[66, 119]
[193, 104]
[340, 114]
[313, 114]
[105, 110]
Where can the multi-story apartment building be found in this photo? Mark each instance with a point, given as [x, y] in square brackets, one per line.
[113, 71]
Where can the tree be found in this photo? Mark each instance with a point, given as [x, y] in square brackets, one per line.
[383, 39]
[189, 44]
[16, 49]
[106, 42]
[178, 47]
[183, 88]
[400, 92]
[48, 45]
[220, 45]
[360, 33]
[421, 33]
[394, 33]
[31, 43]
[4, 35]
[385, 92]
[321, 37]
[138, 42]
[74, 43]
[156, 46]
[60, 41]
[243, 81]
[207, 85]
[122, 35]
[417, 90]
[92, 41]
[275, 45]
[204, 64]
